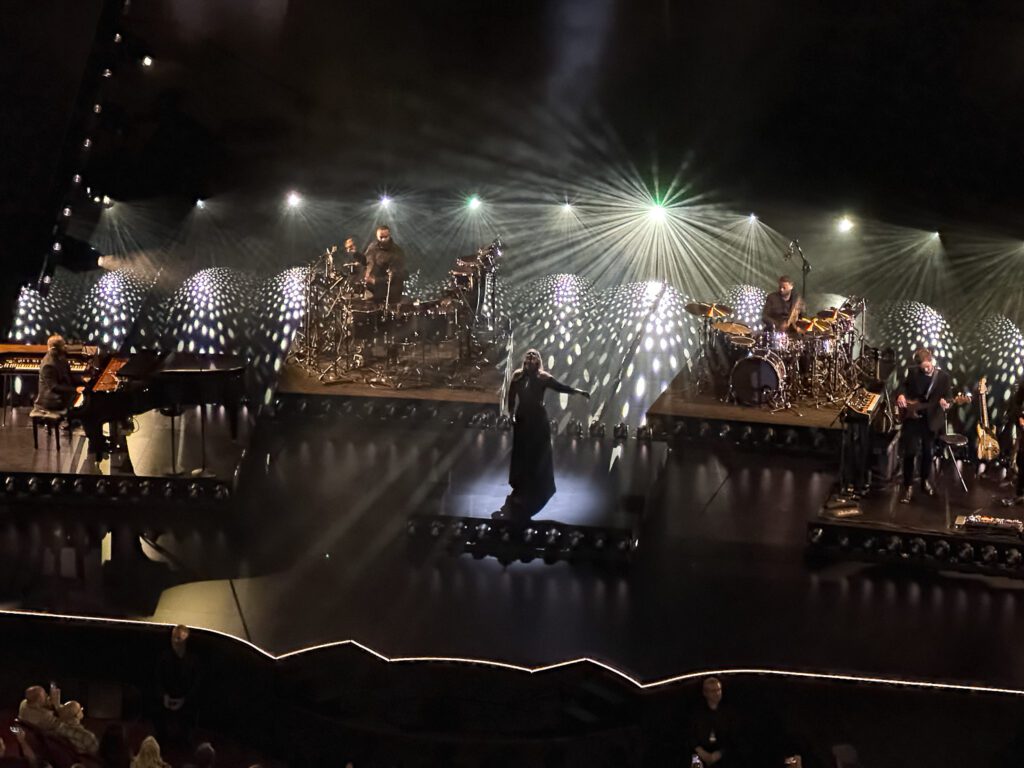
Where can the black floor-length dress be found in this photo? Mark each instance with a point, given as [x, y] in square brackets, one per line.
[532, 471]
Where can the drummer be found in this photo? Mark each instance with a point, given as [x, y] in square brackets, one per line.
[385, 267]
[782, 307]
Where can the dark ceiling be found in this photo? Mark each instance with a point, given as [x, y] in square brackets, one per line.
[905, 108]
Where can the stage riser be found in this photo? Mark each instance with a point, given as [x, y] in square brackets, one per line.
[508, 541]
[964, 552]
[750, 435]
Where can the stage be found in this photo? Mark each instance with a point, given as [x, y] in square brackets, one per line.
[681, 411]
[441, 379]
[319, 551]
[934, 532]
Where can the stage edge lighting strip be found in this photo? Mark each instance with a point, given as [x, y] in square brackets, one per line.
[723, 672]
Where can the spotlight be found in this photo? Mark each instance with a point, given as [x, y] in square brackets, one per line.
[845, 224]
[644, 432]
[815, 535]
[87, 143]
[621, 431]
[894, 545]
[108, 72]
[200, 204]
[385, 201]
[1013, 558]
[935, 235]
[574, 539]
[656, 213]
[33, 484]
[117, 37]
[107, 202]
[566, 207]
[918, 546]
[752, 218]
[941, 549]
[57, 486]
[504, 422]
[529, 534]
[410, 527]
[597, 428]
[66, 212]
[474, 203]
[294, 199]
[147, 61]
[552, 537]
[436, 528]
[965, 552]
[989, 554]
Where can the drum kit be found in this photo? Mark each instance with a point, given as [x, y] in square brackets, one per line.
[813, 362]
[345, 336]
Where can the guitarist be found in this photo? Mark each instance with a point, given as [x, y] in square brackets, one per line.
[930, 386]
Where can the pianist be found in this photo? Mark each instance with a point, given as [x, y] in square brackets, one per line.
[57, 390]
[57, 385]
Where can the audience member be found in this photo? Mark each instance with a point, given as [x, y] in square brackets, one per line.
[28, 758]
[69, 726]
[713, 730]
[149, 755]
[178, 680]
[205, 756]
[39, 709]
[113, 749]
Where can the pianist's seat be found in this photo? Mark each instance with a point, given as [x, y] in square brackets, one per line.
[50, 420]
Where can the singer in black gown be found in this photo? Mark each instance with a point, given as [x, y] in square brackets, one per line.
[532, 471]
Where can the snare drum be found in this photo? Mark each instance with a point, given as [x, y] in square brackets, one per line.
[757, 379]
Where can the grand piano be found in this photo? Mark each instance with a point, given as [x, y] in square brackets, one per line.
[123, 385]
[118, 386]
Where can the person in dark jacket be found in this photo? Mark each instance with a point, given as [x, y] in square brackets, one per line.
[57, 385]
[923, 397]
[178, 682]
[386, 270]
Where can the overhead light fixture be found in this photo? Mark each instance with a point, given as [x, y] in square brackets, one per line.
[294, 199]
[474, 202]
[147, 61]
[845, 224]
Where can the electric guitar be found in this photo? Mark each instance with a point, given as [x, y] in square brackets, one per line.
[915, 408]
[988, 445]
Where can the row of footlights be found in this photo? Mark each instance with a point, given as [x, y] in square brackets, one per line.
[56, 485]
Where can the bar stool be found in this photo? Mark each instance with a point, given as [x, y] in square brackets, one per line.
[51, 420]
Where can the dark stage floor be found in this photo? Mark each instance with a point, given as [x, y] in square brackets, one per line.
[720, 580]
[149, 446]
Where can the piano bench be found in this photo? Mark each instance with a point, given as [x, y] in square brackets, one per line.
[51, 420]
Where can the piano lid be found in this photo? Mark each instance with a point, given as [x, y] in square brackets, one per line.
[180, 363]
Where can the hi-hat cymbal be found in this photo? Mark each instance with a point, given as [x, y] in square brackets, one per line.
[701, 309]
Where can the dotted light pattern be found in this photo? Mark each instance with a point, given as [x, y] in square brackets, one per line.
[210, 312]
[996, 351]
[554, 316]
[279, 307]
[37, 317]
[110, 308]
[646, 325]
[747, 302]
[907, 325]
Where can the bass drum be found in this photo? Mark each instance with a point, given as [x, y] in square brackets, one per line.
[756, 380]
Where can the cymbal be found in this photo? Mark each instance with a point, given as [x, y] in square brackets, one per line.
[733, 329]
[701, 309]
[812, 325]
[833, 313]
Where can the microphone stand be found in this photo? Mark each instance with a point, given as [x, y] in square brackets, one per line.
[804, 269]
